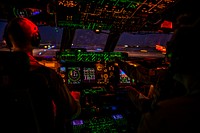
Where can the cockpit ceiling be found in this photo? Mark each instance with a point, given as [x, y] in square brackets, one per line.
[125, 15]
[117, 15]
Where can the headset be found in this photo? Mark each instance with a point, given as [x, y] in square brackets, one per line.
[14, 26]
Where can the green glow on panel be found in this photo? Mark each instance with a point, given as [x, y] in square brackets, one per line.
[91, 56]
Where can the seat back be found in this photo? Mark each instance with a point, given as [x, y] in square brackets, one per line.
[25, 105]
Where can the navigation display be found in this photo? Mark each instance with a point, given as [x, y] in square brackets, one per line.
[74, 75]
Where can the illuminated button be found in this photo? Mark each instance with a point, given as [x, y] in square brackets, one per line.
[99, 67]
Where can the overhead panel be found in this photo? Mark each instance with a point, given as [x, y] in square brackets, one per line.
[115, 15]
[119, 15]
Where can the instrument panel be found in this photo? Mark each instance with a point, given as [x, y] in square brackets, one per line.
[89, 74]
[105, 105]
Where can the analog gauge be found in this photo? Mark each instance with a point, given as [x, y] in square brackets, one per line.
[99, 67]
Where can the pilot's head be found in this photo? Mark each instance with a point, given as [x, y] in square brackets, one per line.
[183, 52]
[21, 34]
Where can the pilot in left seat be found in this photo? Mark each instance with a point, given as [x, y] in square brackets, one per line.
[21, 34]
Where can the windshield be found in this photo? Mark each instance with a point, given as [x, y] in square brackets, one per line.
[135, 44]
[93, 42]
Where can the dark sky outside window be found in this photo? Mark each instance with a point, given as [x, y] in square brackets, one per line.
[89, 39]
[143, 39]
[139, 42]
[51, 34]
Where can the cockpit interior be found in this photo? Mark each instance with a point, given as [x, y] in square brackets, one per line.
[101, 47]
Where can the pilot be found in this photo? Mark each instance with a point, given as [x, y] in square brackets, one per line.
[21, 34]
[179, 114]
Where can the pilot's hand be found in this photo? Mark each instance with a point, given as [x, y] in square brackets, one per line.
[76, 95]
[132, 93]
[137, 98]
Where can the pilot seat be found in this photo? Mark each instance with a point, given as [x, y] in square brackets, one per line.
[25, 104]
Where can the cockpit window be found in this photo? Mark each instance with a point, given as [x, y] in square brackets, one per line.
[2, 26]
[89, 39]
[143, 44]
[135, 44]
[50, 36]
